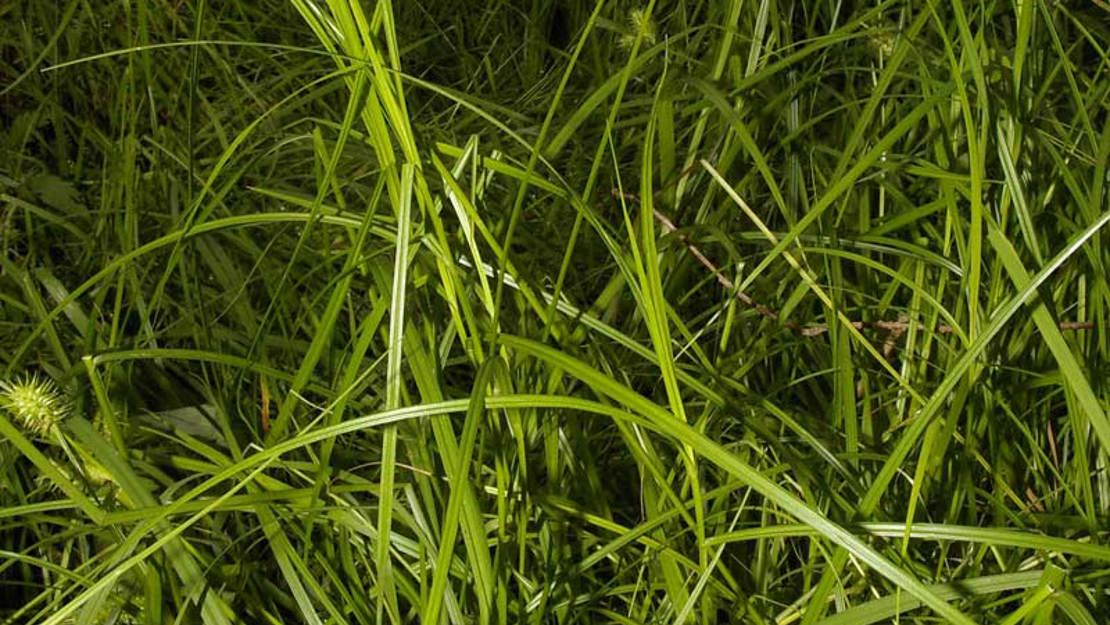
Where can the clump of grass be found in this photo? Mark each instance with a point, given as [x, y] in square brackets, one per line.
[688, 312]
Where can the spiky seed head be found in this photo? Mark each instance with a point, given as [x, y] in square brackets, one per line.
[883, 42]
[640, 23]
[34, 402]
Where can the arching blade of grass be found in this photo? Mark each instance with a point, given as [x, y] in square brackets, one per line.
[1068, 604]
[807, 278]
[192, 225]
[474, 414]
[43, 464]
[397, 305]
[323, 332]
[879, 610]
[706, 448]
[515, 353]
[1071, 372]
[470, 514]
[113, 576]
[214, 611]
[914, 429]
[655, 311]
[842, 184]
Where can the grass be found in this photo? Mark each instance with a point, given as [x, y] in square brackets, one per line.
[764, 312]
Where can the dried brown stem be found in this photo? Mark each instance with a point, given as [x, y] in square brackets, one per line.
[894, 328]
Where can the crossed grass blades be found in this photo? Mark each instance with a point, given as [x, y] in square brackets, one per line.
[760, 312]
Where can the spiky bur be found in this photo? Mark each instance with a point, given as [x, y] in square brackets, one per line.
[883, 39]
[35, 403]
[639, 23]
[883, 43]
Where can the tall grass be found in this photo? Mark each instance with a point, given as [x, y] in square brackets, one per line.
[760, 312]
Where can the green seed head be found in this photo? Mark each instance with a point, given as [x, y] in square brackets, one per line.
[639, 23]
[35, 403]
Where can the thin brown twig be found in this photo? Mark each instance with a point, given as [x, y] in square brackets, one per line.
[894, 328]
[724, 280]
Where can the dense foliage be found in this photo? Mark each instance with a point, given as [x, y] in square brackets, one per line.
[750, 311]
